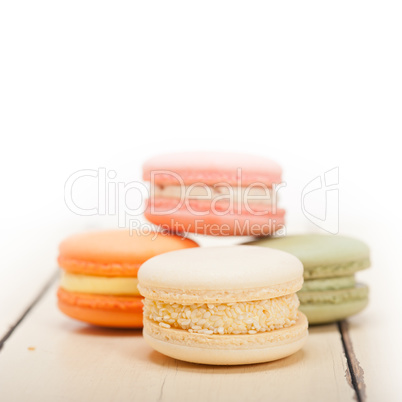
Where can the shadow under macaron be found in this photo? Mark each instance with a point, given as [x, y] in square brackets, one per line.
[93, 330]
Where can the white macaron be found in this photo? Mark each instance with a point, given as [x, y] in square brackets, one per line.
[223, 305]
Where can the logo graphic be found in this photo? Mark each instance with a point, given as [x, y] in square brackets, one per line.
[320, 201]
[250, 208]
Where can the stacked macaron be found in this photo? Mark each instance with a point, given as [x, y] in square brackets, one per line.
[330, 291]
[223, 305]
[214, 193]
[99, 274]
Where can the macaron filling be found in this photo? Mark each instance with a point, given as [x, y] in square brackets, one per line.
[341, 282]
[101, 285]
[258, 193]
[358, 292]
[225, 318]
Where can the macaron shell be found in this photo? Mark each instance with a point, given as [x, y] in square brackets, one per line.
[112, 319]
[230, 349]
[115, 252]
[211, 168]
[80, 267]
[220, 268]
[167, 206]
[110, 311]
[200, 296]
[213, 224]
[323, 255]
[326, 313]
[327, 306]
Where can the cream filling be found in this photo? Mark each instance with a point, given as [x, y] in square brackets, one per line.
[340, 282]
[225, 318]
[253, 194]
[99, 284]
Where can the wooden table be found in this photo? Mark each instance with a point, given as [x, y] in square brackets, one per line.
[46, 356]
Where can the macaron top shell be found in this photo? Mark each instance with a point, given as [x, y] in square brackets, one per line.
[115, 252]
[211, 168]
[315, 250]
[220, 274]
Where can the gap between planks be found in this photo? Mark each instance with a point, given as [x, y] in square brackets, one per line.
[34, 302]
[354, 372]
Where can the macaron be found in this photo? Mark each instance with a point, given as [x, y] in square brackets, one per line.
[214, 193]
[99, 274]
[330, 291]
[223, 305]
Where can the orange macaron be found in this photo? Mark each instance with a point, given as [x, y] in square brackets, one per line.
[99, 274]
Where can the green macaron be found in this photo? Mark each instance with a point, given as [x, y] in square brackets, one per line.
[330, 292]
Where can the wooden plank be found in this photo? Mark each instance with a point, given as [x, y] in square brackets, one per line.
[375, 334]
[29, 260]
[33, 303]
[50, 357]
[25, 274]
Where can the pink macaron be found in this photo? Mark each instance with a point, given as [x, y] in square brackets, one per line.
[214, 193]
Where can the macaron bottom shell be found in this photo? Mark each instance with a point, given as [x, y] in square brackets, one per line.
[227, 349]
[325, 306]
[325, 313]
[111, 319]
[101, 310]
[216, 224]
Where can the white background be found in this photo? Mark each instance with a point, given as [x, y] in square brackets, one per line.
[314, 85]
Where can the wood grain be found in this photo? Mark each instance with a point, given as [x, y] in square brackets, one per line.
[354, 372]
